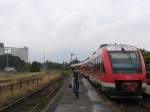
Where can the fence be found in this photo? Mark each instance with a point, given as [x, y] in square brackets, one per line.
[10, 88]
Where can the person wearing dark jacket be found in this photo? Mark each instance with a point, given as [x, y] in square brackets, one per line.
[76, 83]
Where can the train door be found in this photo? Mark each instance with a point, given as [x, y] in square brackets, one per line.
[96, 68]
[102, 69]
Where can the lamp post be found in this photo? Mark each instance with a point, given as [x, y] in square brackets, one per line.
[71, 57]
[44, 62]
[7, 61]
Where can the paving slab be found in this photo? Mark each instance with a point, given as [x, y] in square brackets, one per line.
[89, 100]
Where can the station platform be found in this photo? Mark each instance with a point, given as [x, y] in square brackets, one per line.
[89, 100]
[147, 90]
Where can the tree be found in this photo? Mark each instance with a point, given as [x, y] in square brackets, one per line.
[13, 61]
[75, 61]
[146, 55]
[35, 67]
[53, 65]
[27, 67]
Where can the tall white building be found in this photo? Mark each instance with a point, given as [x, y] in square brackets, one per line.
[2, 50]
[20, 52]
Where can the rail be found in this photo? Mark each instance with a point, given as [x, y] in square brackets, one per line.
[36, 101]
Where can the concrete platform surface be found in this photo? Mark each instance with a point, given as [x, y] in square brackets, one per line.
[89, 100]
[147, 90]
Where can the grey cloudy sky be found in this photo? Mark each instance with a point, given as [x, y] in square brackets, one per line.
[59, 27]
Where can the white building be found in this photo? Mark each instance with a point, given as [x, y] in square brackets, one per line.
[2, 51]
[20, 52]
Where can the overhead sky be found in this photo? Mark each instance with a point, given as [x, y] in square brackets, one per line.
[57, 28]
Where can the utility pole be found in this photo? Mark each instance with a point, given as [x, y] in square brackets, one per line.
[71, 57]
[7, 61]
[44, 63]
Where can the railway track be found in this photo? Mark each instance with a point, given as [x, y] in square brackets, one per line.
[36, 101]
[126, 105]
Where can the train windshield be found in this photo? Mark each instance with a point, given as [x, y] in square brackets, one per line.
[125, 62]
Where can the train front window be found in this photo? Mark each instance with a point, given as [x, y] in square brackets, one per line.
[125, 62]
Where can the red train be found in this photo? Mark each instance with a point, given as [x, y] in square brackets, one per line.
[118, 70]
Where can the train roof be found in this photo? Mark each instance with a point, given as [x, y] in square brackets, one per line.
[111, 47]
[78, 64]
[120, 47]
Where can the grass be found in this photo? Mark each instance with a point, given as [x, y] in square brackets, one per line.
[8, 77]
[61, 72]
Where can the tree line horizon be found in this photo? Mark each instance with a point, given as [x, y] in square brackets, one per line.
[35, 66]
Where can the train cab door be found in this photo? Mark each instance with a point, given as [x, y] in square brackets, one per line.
[102, 73]
[102, 70]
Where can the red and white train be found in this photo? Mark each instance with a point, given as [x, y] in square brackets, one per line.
[119, 70]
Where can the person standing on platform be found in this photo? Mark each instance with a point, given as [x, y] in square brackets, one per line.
[75, 82]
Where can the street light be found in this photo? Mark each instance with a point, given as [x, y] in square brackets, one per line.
[71, 57]
[7, 61]
[44, 62]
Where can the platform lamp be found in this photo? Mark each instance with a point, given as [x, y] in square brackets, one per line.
[7, 60]
[71, 57]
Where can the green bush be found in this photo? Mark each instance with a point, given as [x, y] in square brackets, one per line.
[148, 70]
[35, 67]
